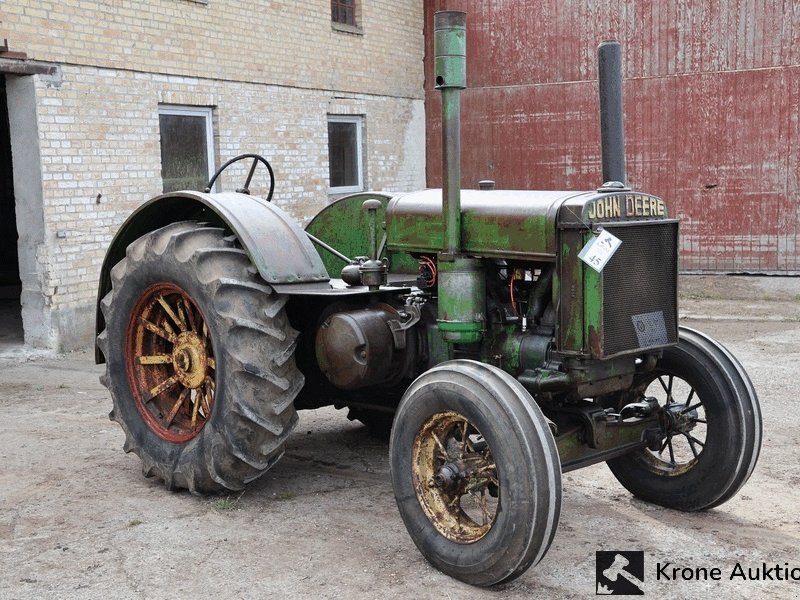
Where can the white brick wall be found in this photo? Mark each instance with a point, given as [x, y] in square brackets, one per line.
[272, 74]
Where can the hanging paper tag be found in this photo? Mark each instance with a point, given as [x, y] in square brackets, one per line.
[599, 250]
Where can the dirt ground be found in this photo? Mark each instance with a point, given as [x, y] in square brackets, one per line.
[78, 520]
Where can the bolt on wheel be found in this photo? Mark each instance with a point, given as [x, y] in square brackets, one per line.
[170, 363]
[455, 477]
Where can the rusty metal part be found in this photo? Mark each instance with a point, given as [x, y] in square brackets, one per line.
[170, 364]
[455, 477]
[450, 59]
[365, 347]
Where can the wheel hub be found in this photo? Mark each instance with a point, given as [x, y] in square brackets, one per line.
[190, 359]
[680, 420]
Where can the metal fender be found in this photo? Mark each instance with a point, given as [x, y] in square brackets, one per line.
[278, 247]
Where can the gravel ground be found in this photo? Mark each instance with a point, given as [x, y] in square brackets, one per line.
[78, 520]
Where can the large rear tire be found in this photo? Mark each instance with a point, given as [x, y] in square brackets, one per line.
[199, 360]
[713, 432]
[476, 472]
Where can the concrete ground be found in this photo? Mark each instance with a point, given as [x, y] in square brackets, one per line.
[78, 520]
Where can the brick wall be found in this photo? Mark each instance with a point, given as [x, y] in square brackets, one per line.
[273, 71]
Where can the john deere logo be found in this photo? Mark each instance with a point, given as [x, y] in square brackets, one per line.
[620, 573]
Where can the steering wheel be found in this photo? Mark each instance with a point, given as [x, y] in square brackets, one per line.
[246, 188]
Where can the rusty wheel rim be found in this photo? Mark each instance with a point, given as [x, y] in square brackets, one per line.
[170, 363]
[455, 477]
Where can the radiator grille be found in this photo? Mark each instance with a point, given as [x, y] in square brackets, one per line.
[640, 283]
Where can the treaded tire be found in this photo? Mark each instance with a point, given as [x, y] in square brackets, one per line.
[256, 379]
[523, 452]
[733, 431]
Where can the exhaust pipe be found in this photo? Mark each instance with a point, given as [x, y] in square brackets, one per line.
[612, 130]
[450, 69]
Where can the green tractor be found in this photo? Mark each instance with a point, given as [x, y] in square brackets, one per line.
[503, 337]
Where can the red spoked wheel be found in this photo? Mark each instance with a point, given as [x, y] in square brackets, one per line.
[170, 363]
[199, 359]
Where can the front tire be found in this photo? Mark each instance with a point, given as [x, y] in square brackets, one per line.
[475, 472]
[713, 434]
[199, 360]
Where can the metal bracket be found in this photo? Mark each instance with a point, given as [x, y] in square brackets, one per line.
[411, 315]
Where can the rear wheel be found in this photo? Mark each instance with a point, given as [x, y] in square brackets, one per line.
[476, 473]
[712, 428]
[199, 360]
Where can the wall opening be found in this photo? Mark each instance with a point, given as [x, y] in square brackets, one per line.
[10, 284]
[28, 203]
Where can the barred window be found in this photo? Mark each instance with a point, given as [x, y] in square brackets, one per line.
[344, 12]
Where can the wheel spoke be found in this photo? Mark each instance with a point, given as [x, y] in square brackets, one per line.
[198, 398]
[190, 315]
[208, 398]
[176, 407]
[442, 449]
[671, 451]
[168, 328]
[689, 398]
[182, 313]
[691, 408]
[694, 440]
[168, 309]
[164, 385]
[212, 364]
[484, 508]
[464, 427]
[667, 386]
[170, 337]
[155, 359]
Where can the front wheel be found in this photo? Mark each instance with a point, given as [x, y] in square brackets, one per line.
[712, 424]
[475, 472]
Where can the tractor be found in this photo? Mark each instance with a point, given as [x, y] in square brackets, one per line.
[500, 338]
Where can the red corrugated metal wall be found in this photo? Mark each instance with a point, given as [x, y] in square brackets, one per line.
[712, 108]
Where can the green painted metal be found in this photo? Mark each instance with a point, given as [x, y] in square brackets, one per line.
[345, 225]
[450, 49]
[592, 307]
[575, 453]
[507, 224]
[462, 300]
[569, 333]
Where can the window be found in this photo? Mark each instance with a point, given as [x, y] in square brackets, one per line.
[187, 148]
[344, 12]
[344, 154]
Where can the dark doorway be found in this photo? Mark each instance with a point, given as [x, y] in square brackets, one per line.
[10, 314]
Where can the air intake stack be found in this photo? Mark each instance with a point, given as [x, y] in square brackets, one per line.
[462, 286]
